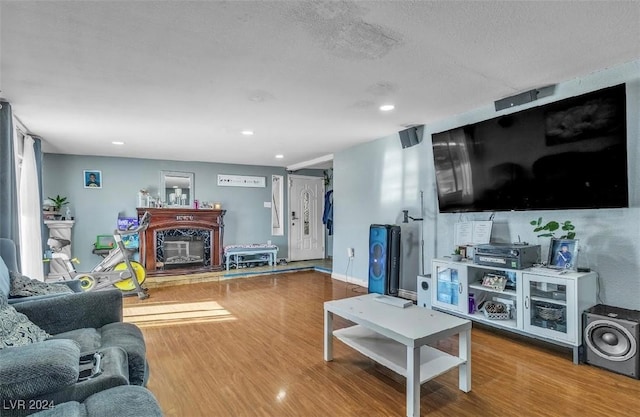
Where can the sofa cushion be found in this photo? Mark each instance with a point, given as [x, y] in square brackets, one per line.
[38, 369]
[23, 286]
[16, 329]
[68, 409]
[114, 373]
[122, 401]
[124, 335]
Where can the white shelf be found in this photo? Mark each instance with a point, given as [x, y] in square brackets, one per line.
[393, 355]
[480, 317]
[549, 300]
[487, 289]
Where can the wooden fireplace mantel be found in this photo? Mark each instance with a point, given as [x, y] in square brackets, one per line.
[174, 218]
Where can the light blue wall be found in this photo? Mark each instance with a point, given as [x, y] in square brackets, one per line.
[374, 182]
[96, 210]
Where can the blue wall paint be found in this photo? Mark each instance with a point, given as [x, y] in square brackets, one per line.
[96, 210]
[374, 182]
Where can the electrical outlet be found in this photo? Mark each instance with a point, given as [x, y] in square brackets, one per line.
[350, 252]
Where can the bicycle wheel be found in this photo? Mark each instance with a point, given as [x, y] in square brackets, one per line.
[87, 282]
[127, 284]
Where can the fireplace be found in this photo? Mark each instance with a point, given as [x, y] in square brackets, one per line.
[181, 240]
[177, 248]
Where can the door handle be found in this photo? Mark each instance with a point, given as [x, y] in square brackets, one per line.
[526, 302]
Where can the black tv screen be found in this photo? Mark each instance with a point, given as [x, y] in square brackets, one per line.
[570, 154]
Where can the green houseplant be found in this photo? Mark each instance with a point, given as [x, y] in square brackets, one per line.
[58, 202]
[549, 229]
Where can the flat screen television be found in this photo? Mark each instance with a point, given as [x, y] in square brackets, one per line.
[569, 154]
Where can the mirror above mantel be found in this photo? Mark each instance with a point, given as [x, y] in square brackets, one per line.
[176, 188]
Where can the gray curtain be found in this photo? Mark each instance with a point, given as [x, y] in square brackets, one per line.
[45, 231]
[9, 216]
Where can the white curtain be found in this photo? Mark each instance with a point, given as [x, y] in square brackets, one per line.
[30, 215]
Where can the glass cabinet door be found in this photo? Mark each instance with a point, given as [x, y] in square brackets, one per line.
[548, 309]
[450, 286]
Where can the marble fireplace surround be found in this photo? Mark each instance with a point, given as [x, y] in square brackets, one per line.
[165, 220]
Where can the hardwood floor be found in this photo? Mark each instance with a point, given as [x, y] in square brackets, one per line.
[253, 347]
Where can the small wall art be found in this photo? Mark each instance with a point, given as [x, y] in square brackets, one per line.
[92, 178]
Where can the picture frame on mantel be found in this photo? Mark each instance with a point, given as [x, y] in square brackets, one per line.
[92, 178]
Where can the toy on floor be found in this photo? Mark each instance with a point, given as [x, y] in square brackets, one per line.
[114, 270]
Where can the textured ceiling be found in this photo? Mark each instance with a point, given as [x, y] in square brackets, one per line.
[179, 80]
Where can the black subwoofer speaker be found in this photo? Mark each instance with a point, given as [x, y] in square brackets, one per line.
[612, 339]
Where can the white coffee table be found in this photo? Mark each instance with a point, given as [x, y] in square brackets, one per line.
[397, 338]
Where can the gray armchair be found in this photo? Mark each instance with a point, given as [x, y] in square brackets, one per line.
[79, 324]
[9, 263]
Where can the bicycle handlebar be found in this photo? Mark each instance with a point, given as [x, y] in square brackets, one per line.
[144, 223]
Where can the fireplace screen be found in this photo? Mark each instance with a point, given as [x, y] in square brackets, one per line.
[183, 248]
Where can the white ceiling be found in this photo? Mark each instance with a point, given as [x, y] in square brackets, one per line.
[179, 80]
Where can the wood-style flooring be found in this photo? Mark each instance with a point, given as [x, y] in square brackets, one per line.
[252, 347]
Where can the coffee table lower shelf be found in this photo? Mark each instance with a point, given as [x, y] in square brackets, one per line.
[393, 355]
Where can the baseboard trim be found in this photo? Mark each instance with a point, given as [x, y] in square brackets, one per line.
[349, 280]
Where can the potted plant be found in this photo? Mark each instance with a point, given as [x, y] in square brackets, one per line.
[456, 255]
[58, 203]
[549, 229]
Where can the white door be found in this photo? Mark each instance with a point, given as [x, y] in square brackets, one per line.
[306, 231]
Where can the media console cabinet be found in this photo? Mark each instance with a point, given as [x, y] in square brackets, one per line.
[546, 303]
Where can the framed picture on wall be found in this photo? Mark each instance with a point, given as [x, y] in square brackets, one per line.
[563, 254]
[92, 178]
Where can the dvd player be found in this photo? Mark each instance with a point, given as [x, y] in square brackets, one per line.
[507, 255]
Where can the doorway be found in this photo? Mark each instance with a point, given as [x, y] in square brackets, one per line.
[306, 231]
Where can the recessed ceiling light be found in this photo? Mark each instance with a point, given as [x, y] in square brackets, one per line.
[279, 156]
[117, 142]
[387, 107]
[247, 132]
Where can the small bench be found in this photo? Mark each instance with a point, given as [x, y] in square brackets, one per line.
[233, 253]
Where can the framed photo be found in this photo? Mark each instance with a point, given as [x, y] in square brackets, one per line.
[563, 254]
[92, 178]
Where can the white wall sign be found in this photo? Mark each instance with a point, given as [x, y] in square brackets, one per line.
[240, 181]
